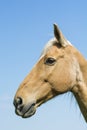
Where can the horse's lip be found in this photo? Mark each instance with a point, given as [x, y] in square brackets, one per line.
[30, 112]
[26, 111]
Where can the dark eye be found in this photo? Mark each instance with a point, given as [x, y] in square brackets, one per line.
[50, 61]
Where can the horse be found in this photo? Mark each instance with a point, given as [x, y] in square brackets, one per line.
[61, 68]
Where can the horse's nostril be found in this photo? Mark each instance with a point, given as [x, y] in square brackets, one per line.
[18, 101]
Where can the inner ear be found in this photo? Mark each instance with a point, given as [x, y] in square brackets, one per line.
[59, 36]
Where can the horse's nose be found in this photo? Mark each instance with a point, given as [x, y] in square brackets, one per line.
[24, 110]
[18, 102]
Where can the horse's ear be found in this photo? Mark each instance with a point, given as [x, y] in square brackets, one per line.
[59, 36]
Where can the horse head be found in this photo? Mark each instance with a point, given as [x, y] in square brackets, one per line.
[56, 72]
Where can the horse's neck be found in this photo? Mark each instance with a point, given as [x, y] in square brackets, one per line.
[80, 90]
[83, 65]
[84, 72]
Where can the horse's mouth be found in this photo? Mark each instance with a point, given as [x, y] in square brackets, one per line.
[26, 111]
[29, 113]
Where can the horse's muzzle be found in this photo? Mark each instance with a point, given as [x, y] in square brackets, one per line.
[24, 110]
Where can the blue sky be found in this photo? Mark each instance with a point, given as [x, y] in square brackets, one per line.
[25, 27]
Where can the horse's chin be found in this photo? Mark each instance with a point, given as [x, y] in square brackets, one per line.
[31, 111]
[26, 111]
[29, 114]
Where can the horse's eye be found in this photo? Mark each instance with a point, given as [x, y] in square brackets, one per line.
[50, 61]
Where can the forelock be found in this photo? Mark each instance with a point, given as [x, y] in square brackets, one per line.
[49, 44]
